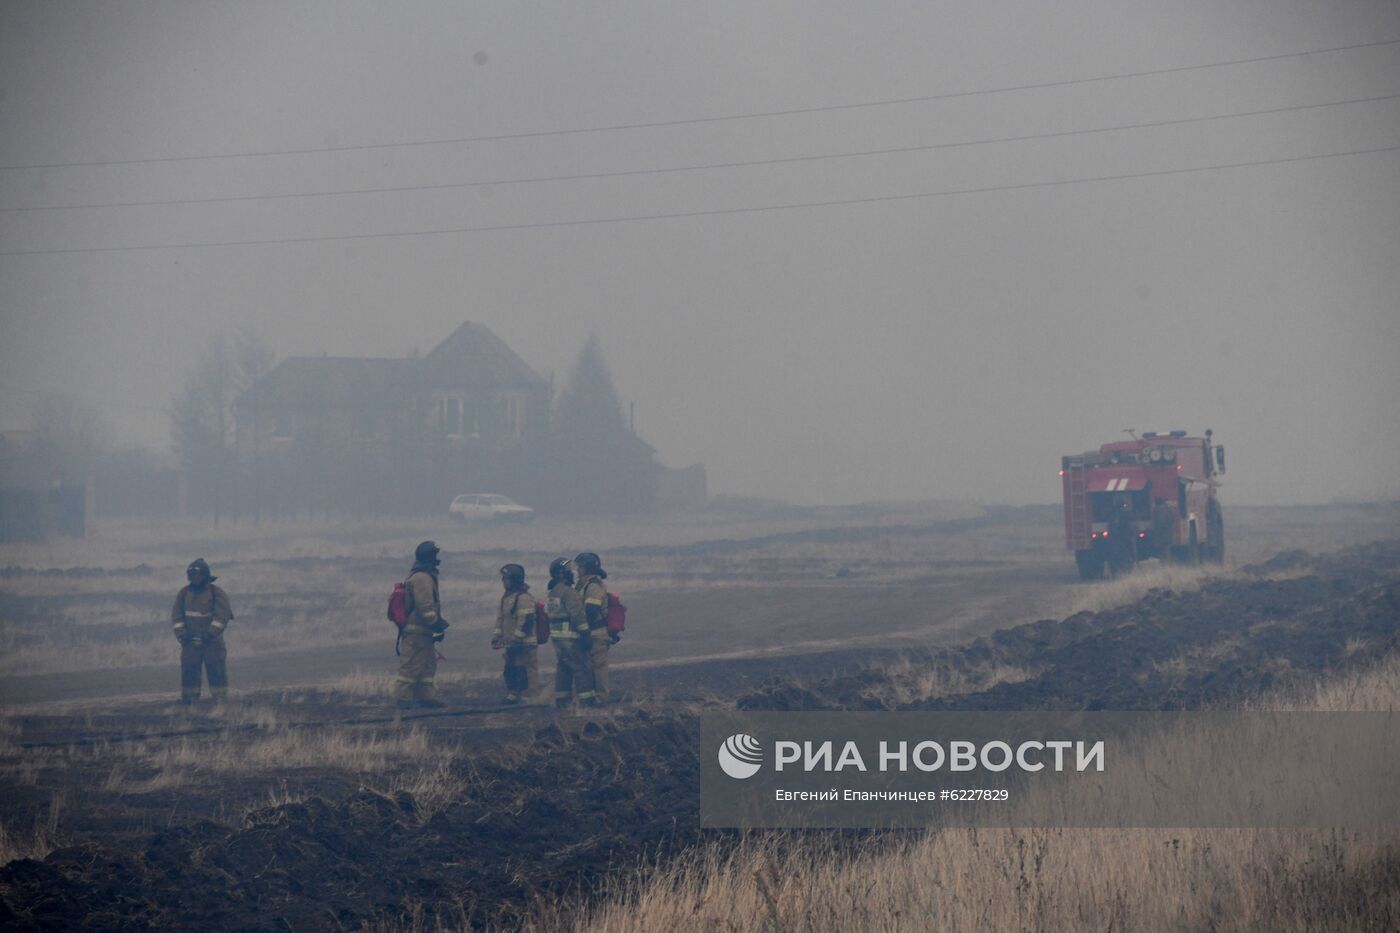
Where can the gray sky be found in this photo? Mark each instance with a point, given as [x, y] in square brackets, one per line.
[952, 345]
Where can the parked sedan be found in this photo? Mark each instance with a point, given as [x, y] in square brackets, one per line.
[487, 506]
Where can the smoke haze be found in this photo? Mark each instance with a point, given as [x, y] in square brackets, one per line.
[942, 321]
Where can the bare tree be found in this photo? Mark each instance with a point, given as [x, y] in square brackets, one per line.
[202, 422]
[68, 435]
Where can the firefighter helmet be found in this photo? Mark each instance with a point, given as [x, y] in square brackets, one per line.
[426, 553]
[199, 569]
[590, 564]
[559, 570]
[513, 575]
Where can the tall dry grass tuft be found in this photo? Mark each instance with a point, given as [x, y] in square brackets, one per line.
[1014, 880]
[1131, 587]
[37, 842]
[1047, 879]
[910, 680]
[432, 787]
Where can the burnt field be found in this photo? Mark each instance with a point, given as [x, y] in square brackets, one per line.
[313, 808]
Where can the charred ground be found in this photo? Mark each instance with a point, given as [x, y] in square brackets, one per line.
[532, 808]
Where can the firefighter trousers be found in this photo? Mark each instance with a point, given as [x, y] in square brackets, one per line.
[522, 671]
[417, 667]
[573, 675]
[199, 657]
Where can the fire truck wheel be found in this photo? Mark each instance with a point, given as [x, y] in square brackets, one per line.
[1090, 564]
[1215, 525]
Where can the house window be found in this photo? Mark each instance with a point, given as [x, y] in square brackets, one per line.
[470, 422]
[511, 411]
[450, 413]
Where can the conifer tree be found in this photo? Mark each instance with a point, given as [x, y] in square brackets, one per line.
[609, 469]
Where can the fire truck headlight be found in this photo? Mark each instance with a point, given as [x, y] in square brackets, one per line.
[1169, 454]
[1155, 455]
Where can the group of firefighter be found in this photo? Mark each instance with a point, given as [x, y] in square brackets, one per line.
[576, 611]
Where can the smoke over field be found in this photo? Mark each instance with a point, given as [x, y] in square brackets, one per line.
[311, 802]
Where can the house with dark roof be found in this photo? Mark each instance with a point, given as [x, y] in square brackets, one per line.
[400, 434]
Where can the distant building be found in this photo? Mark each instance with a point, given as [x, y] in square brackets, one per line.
[405, 435]
[393, 434]
[36, 499]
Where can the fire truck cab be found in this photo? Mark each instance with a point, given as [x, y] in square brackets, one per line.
[1152, 496]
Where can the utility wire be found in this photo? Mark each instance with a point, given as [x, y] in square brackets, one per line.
[695, 121]
[716, 212]
[701, 167]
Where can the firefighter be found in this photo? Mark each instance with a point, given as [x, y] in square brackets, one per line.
[515, 633]
[200, 614]
[595, 606]
[421, 633]
[568, 629]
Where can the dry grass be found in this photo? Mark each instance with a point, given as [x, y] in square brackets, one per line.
[1012, 880]
[908, 680]
[1052, 879]
[369, 755]
[38, 841]
[432, 787]
[1131, 587]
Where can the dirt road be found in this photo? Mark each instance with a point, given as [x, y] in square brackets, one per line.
[746, 599]
[814, 592]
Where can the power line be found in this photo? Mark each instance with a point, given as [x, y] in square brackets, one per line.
[751, 163]
[692, 121]
[716, 212]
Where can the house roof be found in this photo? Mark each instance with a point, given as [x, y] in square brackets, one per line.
[473, 357]
[470, 358]
[319, 380]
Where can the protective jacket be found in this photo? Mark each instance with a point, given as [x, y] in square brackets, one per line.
[515, 619]
[566, 614]
[425, 608]
[595, 601]
[200, 613]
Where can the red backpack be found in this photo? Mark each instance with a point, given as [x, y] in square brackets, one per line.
[541, 623]
[617, 614]
[398, 605]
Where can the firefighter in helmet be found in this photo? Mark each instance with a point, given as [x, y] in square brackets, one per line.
[573, 643]
[200, 614]
[425, 627]
[515, 633]
[595, 606]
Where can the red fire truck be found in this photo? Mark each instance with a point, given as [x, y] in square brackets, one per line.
[1152, 496]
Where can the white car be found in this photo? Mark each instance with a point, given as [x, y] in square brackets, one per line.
[487, 506]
